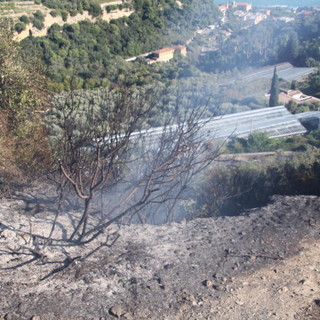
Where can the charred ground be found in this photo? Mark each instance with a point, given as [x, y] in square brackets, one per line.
[261, 265]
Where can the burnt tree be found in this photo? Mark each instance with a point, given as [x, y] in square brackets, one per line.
[106, 150]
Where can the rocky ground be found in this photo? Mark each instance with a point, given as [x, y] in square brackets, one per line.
[262, 265]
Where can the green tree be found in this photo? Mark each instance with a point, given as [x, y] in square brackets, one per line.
[274, 92]
[19, 27]
[22, 98]
[95, 9]
[314, 83]
[64, 15]
[25, 19]
[292, 106]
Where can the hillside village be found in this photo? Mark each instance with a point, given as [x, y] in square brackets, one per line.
[243, 11]
[248, 16]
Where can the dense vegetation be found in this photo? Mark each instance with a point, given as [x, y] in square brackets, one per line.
[90, 53]
[74, 7]
[313, 84]
[260, 142]
[266, 43]
[231, 189]
[22, 99]
[235, 186]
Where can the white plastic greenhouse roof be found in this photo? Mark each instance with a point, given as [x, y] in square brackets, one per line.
[275, 121]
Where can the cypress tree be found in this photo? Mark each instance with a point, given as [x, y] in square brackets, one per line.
[274, 92]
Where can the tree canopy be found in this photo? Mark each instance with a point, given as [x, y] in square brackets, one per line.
[22, 95]
[266, 43]
[90, 52]
[274, 92]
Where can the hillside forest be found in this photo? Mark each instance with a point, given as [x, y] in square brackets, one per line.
[93, 54]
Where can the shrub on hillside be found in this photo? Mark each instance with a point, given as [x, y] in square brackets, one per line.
[231, 188]
[53, 13]
[22, 95]
[25, 19]
[64, 15]
[19, 27]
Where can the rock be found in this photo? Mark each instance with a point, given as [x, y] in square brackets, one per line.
[185, 292]
[168, 266]
[128, 316]
[207, 283]
[116, 311]
[8, 234]
[239, 302]
[218, 288]
[35, 318]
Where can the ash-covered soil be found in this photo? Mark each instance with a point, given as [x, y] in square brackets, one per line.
[262, 265]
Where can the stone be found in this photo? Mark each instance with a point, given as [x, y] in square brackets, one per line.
[116, 311]
[8, 234]
[207, 283]
[218, 288]
[36, 318]
[128, 316]
[283, 289]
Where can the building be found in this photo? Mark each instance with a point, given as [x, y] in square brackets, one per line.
[255, 18]
[163, 55]
[166, 54]
[180, 50]
[286, 19]
[223, 8]
[244, 6]
[296, 96]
